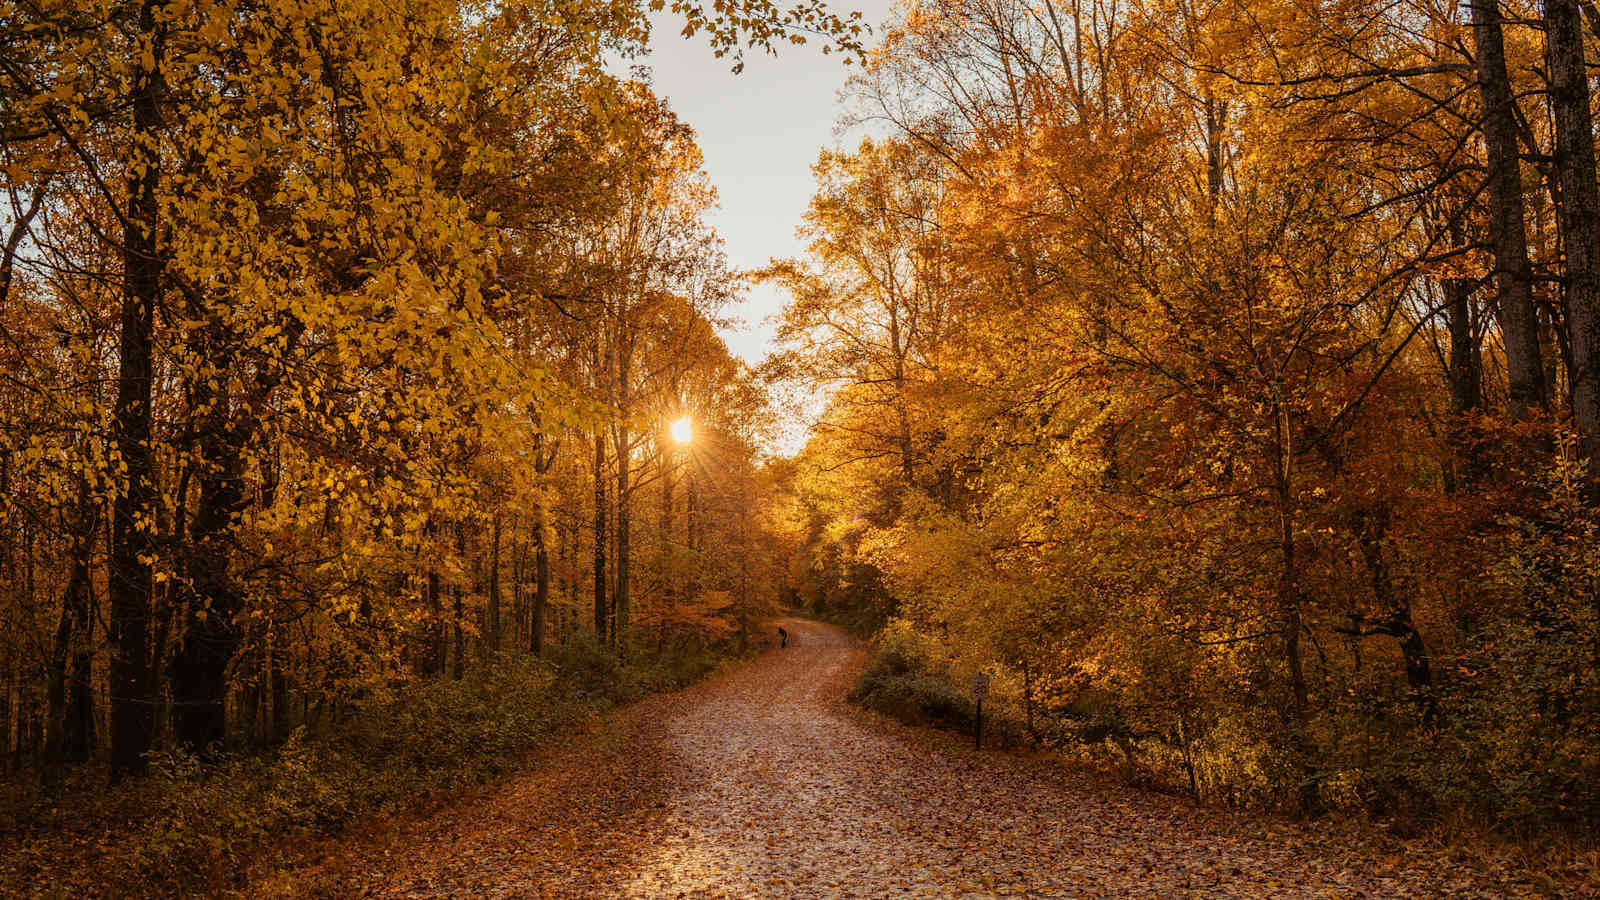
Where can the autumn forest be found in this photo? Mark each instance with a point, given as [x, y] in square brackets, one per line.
[1220, 378]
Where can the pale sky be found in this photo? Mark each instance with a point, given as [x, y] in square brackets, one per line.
[760, 131]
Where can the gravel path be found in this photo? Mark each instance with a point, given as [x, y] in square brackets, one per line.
[765, 783]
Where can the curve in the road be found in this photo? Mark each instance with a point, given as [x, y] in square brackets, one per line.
[765, 783]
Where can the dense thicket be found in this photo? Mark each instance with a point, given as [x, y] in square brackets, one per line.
[339, 343]
[1217, 376]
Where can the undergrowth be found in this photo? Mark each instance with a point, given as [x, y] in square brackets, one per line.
[193, 827]
[905, 684]
[907, 679]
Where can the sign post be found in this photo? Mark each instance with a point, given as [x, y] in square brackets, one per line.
[980, 689]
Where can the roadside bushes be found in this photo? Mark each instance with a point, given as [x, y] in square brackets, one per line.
[1520, 741]
[891, 686]
[196, 828]
[1500, 732]
[904, 679]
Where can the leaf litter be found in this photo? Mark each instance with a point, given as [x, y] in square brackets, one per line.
[766, 782]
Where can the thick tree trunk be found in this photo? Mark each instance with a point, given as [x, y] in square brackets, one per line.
[1519, 324]
[1216, 150]
[1580, 216]
[131, 573]
[211, 635]
[210, 639]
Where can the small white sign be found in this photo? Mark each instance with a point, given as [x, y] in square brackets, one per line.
[980, 686]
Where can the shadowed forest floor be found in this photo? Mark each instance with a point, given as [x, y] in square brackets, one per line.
[765, 782]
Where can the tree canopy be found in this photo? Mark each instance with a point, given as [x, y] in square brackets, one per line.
[1214, 374]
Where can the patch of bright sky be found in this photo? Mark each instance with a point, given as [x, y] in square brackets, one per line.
[760, 132]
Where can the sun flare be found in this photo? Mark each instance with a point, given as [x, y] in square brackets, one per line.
[683, 430]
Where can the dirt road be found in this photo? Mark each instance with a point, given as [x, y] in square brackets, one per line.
[765, 783]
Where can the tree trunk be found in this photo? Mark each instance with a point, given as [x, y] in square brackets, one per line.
[1519, 325]
[199, 666]
[1466, 382]
[133, 550]
[80, 738]
[541, 581]
[69, 733]
[1580, 217]
[13, 734]
[491, 612]
[667, 575]
[1289, 608]
[669, 585]
[1396, 620]
[458, 643]
[1027, 702]
[624, 532]
[520, 631]
[431, 660]
[600, 607]
[1216, 151]
[280, 684]
[902, 419]
[457, 639]
[1466, 367]
[691, 515]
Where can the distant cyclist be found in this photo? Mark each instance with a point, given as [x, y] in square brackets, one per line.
[783, 638]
